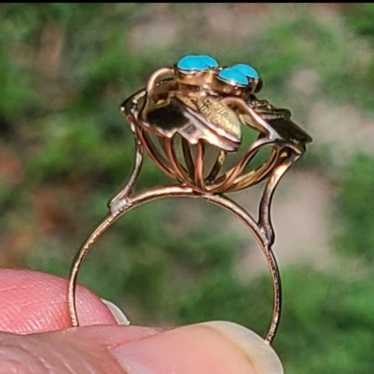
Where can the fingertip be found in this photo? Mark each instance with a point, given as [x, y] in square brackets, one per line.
[33, 301]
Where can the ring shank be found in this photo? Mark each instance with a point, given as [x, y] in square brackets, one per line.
[180, 191]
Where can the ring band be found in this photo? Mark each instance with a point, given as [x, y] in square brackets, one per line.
[194, 110]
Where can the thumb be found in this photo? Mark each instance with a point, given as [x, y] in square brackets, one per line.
[211, 347]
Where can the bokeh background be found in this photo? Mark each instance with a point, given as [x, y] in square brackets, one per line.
[65, 149]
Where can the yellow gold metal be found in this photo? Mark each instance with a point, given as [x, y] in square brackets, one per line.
[190, 113]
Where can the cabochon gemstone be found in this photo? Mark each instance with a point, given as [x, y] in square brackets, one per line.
[196, 63]
[247, 70]
[233, 76]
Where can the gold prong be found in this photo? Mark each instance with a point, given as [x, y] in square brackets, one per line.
[217, 167]
[186, 147]
[199, 166]
[168, 145]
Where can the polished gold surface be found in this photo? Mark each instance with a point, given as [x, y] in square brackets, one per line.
[200, 122]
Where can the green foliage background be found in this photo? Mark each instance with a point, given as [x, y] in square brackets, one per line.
[64, 150]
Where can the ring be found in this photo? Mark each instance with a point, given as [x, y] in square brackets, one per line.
[203, 125]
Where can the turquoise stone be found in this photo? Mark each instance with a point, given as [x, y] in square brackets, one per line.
[196, 63]
[233, 76]
[238, 74]
[247, 70]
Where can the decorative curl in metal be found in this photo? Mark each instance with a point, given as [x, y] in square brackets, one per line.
[193, 120]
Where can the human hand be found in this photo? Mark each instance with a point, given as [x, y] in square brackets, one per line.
[36, 337]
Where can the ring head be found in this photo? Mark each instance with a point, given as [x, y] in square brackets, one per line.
[198, 108]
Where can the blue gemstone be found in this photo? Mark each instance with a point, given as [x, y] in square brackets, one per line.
[247, 70]
[196, 63]
[233, 76]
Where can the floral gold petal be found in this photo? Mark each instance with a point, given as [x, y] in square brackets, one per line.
[220, 115]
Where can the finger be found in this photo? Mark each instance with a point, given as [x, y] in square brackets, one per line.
[36, 302]
[214, 347]
[74, 351]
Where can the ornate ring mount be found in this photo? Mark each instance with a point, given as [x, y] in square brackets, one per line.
[203, 126]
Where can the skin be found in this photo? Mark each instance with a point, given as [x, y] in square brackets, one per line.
[35, 337]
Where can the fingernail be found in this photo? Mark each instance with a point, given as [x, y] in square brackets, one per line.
[211, 347]
[117, 313]
[261, 355]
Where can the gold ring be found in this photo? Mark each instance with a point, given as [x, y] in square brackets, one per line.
[203, 125]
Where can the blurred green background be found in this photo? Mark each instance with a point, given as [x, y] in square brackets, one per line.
[65, 149]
